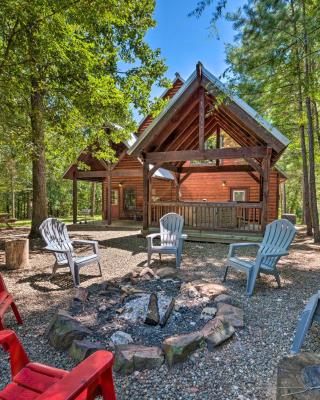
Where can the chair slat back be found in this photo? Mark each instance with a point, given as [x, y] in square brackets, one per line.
[171, 226]
[277, 238]
[55, 234]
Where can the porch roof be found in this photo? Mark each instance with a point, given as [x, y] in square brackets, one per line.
[176, 127]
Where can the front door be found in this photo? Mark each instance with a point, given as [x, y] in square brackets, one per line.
[115, 203]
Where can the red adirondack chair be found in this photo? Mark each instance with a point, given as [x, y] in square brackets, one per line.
[6, 300]
[31, 381]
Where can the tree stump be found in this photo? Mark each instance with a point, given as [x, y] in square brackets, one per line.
[299, 377]
[17, 253]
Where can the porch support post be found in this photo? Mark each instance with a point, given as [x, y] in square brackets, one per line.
[201, 118]
[265, 189]
[109, 217]
[74, 196]
[284, 198]
[218, 144]
[145, 224]
[177, 183]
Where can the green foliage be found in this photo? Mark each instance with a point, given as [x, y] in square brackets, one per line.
[264, 61]
[90, 64]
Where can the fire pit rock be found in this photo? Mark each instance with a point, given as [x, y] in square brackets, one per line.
[64, 329]
[216, 332]
[136, 310]
[167, 272]
[81, 349]
[202, 288]
[178, 348]
[233, 315]
[133, 357]
[120, 338]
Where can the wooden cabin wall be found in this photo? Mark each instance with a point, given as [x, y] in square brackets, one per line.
[210, 187]
[161, 189]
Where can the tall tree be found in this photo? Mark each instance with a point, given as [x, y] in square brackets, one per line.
[274, 64]
[68, 67]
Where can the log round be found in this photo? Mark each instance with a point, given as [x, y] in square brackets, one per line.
[17, 253]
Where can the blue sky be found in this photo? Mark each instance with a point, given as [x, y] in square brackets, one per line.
[185, 40]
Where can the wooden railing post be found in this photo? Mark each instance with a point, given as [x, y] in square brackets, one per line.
[265, 188]
[145, 224]
[75, 197]
[109, 200]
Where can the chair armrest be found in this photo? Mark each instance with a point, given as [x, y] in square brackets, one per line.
[56, 249]
[93, 242]
[153, 235]
[11, 344]
[90, 372]
[150, 238]
[234, 246]
[279, 254]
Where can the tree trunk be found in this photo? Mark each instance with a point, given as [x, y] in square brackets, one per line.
[313, 190]
[305, 180]
[13, 199]
[317, 124]
[93, 199]
[39, 209]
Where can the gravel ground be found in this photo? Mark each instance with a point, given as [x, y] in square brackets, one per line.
[243, 368]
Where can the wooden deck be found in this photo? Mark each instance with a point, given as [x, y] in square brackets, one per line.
[193, 235]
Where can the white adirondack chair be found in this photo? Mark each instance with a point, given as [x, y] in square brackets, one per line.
[171, 238]
[277, 239]
[55, 234]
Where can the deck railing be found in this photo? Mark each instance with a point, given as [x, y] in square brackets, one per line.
[231, 216]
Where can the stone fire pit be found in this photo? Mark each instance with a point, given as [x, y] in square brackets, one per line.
[147, 318]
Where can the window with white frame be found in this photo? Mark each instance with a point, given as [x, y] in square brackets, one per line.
[239, 194]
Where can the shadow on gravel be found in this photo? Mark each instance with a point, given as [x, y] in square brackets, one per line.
[60, 282]
[132, 243]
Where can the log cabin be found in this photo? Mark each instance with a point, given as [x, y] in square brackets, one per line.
[208, 156]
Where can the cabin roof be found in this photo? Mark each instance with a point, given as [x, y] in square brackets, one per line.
[264, 133]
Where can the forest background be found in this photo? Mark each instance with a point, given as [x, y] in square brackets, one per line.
[68, 70]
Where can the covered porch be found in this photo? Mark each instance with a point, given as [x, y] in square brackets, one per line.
[180, 139]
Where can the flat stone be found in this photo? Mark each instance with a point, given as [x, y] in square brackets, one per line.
[201, 288]
[121, 338]
[132, 358]
[153, 317]
[216, 332]
[130, 291]
[146, 271]
[135, 310]
[81, 349]
[167, 272]
[167, 313]
[233, 315]
[210, 290]
[64, 329]
[296, 373]
[178, 348]
[223, 298]
[208, 312]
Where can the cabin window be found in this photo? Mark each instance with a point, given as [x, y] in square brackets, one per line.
[130, 199]
[239, 194]
[114, 197]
